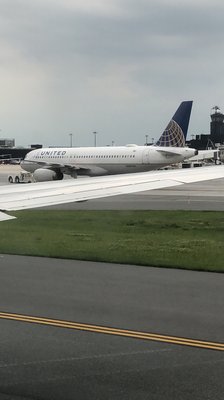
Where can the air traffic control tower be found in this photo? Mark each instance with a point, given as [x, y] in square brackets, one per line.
[217, 126]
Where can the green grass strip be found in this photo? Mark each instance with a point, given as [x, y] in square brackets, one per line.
[178, 239]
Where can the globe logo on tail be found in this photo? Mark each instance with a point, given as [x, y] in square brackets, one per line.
[173, 136]
[176, 131]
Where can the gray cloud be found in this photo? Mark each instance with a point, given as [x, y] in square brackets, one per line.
[121, 67]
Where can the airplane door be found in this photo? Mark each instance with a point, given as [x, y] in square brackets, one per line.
[145, 157]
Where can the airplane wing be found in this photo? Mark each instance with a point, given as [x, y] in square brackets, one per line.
[68, 169]
[19, 197]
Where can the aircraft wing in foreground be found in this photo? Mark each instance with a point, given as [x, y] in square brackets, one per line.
[42, 194]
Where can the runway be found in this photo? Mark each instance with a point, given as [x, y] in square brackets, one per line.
[46, 361]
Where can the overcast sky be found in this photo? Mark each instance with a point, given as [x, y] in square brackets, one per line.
[118, 67]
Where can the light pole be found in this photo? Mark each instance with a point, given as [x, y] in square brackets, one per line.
[95, 133]
[146, 139]
[70, 134]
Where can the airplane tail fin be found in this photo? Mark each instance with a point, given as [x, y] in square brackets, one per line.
[176, 131]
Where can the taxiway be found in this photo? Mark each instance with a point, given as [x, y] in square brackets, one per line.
[45, 361]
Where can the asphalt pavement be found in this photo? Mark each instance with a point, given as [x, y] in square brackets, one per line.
[48, 362]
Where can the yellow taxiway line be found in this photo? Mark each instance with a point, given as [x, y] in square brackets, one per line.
[114, 331]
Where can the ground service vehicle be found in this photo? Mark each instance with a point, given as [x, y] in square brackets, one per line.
[22, 177]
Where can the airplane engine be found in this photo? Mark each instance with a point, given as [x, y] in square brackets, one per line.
[44, 174]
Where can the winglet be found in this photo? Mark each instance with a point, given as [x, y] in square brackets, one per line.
[176, 131]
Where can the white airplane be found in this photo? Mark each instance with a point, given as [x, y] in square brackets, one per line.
[40, 194]
[52, 163]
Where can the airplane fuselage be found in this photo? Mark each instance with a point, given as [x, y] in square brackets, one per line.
[96, 161]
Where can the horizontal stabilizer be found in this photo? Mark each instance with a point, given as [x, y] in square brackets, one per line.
[168, 153]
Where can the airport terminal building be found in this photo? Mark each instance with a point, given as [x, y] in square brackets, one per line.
[10, 153]
[216, 137]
